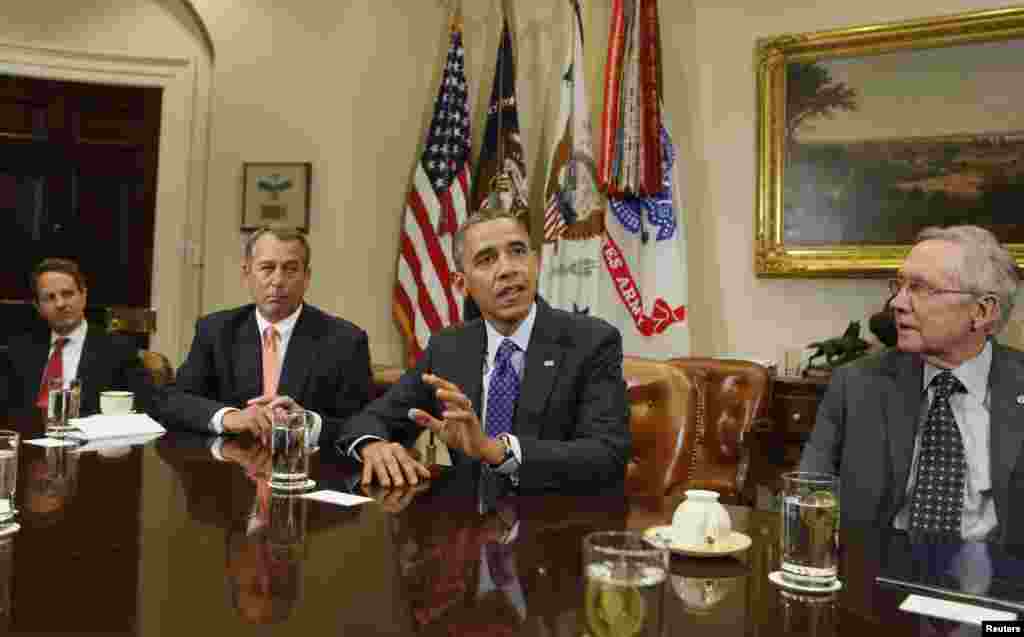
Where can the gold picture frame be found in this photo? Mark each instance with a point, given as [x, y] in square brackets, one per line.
[847, 174]
[276, 194]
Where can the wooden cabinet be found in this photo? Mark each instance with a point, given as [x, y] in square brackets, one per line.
[792, 408]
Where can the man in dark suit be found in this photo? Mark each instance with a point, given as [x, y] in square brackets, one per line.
[531, 394]
[279, 351]
[941, 414]
[67, 347]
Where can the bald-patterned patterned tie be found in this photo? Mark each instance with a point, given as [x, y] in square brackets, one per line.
[502, 391]
[938, 498]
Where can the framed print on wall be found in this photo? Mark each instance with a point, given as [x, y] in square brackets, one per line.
[276, 194]
[867, 135]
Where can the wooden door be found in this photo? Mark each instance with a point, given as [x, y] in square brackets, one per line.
[78, 165]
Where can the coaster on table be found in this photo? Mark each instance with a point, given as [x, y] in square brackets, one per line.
[775, 577]
[300, 486]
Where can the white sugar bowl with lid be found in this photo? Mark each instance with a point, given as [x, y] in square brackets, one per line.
[700, 520]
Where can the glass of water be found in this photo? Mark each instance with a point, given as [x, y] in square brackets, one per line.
[810, 529]
[59, 406]
[289, 450]
[624, 587]
[9, 442]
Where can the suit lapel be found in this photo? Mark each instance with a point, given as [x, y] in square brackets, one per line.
[38, 356]
[543, 358]
[1005, 433]
[301, 355]
[90, 354]
[247, 357]
[903, 410]
[467, 372]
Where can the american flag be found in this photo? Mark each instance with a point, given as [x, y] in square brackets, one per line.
[425, 300]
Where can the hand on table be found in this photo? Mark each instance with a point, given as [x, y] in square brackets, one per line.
[258, 416]
[390, 464]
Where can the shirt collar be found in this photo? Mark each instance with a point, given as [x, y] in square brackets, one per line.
[75, 336]
[284, 326]
[973, 373]
[520, 337]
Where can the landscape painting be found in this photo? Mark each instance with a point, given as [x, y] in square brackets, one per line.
[867, 148]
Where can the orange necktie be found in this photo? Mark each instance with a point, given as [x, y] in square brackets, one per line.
[54, 369]
[271, 366]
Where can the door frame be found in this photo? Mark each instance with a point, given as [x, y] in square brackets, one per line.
[181, 171]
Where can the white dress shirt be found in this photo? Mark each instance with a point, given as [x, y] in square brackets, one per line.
[285, 327]
[972, 413]
[71, 355]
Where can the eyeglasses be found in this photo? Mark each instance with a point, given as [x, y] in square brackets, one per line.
[920, 290]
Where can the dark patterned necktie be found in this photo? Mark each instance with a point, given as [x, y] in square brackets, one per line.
[502, 391]
[939, 489]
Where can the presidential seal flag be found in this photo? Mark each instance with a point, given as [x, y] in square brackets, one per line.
[644, 266]
[501, 172]
[424, 298]
[573, 206]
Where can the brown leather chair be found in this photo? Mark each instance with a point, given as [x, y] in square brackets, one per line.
[160, 371]
[732, 395]
[662, 417]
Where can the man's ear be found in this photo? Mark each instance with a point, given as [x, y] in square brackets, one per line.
[986, 313]
[459, 282]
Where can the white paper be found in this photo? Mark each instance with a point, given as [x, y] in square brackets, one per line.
[337, 497]
[115, 426]
[116, 443]
[954, 611]
[51, 442]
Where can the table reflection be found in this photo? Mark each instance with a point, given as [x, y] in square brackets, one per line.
[6, 576]
[50, 484]
[703, 584]
[812, 615]
[266, 531]
[265, 552]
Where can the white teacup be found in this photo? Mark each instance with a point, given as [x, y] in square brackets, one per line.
[700, 520]
[116, 402]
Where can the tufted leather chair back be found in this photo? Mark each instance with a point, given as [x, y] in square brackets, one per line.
[160, 371]
[731, 395]
[662, 418]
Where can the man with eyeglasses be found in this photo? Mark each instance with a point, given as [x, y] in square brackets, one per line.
[929, 436]
[277, 351]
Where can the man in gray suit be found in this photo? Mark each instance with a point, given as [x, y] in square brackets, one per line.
[919, 448]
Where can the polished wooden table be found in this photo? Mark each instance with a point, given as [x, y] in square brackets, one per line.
[165, 539]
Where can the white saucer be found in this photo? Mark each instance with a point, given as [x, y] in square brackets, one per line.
[776, 578]
[732, 544]
[7, 529]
